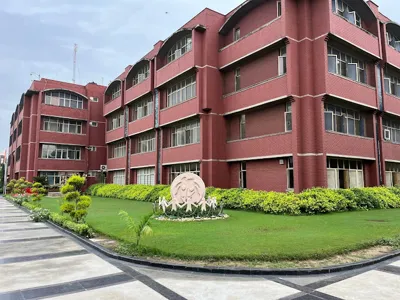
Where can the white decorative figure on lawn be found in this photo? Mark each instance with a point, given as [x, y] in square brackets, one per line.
[187, 189]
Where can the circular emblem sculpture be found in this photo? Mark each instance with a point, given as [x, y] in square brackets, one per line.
[187, 189]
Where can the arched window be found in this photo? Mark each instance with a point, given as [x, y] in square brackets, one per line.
[182, 46]
[64, 99]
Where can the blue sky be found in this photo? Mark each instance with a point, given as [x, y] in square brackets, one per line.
[38, 36]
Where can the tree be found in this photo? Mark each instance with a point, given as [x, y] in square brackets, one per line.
[74, 203]
[38, 192]
[1, 177]
[139, 229]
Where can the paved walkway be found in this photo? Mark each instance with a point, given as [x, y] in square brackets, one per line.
[37, 262]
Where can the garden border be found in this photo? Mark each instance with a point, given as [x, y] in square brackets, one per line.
[221, 270]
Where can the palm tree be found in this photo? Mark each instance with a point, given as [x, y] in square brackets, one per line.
[140, 229]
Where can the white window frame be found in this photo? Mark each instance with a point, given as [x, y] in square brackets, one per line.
[145, 176]
[237, 79]
[346, 8]
[342, 62]
[349, 116]
[288, 116]
[63, 99]
[345, 164]
[61, 152]
[60, 125]
[117, 150]
[243, 175]
[185, 134]
[181, 47]
[393, 127]
[116, 120]
[119, 177]
[141, 75]
[282, 61]
[289, 168]
[176, 170]
[116, 92]
[142, 108]
[279, 8]
[236, 34]
[182, 91]
[242, 126]
[146, 143]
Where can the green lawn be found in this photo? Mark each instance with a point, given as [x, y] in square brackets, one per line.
[247, 235]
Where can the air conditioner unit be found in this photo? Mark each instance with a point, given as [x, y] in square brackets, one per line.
[103, 168]
[93, 124]
[94, 99]
[91, 148]
[387, 134]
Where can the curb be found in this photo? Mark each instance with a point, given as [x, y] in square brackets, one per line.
[223, 270]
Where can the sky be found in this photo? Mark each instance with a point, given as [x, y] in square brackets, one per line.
[37, 37]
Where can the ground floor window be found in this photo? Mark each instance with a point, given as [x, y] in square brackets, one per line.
[243, 175]
[392, 174]
[55, 177]
[145, 176]
[176, 170]
[345, 173]
[290, 174]
[119, 177]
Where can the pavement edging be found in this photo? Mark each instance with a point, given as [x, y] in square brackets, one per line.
[222, 270]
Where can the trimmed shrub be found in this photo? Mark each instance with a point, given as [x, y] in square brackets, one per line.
[63, 221]
[312, 201]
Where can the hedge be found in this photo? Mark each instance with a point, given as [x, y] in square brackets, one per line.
[312, 201]
[79, 228]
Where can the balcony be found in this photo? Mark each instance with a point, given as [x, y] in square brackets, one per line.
[391, 151]
[116, 163]
[114, 135]
[257, 94]
[349, 145]
[61, 164]
[173, 69]
[181, 154]
[265, 146]
[143, 159]
[345, 88]
[112, 105]
[352, 34]
[138, 90]
[62, 138]
[141, 125]
[17, 166]
[393, 56]
[180, 111]
[19, 140]
[64, 112]
[392, 103]
[251, 43]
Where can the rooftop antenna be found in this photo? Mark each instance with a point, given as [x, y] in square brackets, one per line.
[74, 69]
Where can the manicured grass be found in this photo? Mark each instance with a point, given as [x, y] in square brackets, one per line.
[247, 235]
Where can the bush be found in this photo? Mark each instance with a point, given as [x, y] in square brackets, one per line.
[40, 214]
[312, 201]
[63, 221]
[74, 204]
[29, 206]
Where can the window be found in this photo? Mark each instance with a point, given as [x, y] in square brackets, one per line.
[18, 154]
[146, 143]
[176, 170]
[19, 128]
[115, 121]
[145, 176]
[185, 133]
[62, 125]
[237, 79]
[180, 48]
[288, 117]
[64, 99]
[142, 74]
[53, 178]
[242, 129]
[290, 174]
[392, 174]
[236, 34]
[279, 8]
[117, 150]
[346, 65]
[344, 120]
[61, 152]
[391, 130]
[119, 177]
[142, 108]
[182, 91]
[392, 85]
[282, 61]
[15, 135]
[11, 140]
[116, 92]
[243, 176]
[393, 41]
[341, 8]
[345, 173]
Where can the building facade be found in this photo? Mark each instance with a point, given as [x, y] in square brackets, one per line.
[57, 130]
[275, 95]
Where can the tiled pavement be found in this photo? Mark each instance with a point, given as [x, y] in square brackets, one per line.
[39, 262]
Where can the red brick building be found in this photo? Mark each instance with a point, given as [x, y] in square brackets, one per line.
[58, 129]
[275, 95]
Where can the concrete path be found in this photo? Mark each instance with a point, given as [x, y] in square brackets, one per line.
[39, 262]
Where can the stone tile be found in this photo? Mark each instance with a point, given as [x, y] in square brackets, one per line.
[25, 275]
[21, 226]
[14, 219]
[38, 247]
[396, 264]
[226, 288]
[306, 280]
[28, 234]
[133, 290]
[371, 285]
[13, 214]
